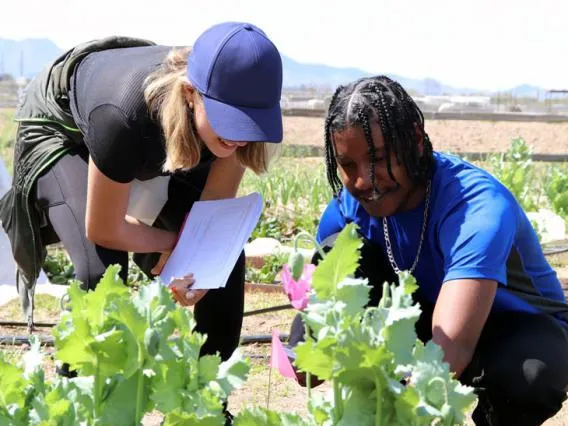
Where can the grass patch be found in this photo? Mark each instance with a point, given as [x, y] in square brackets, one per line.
[47, 308]
[7, 137]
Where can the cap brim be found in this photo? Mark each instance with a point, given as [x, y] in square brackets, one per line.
[244, 124]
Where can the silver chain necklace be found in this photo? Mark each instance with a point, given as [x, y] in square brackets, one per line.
[423, 232]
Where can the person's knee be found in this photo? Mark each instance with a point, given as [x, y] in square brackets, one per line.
[533, 385]
[87, 277]
[542, 384]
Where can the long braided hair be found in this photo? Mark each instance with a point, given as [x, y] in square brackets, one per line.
[401, 122]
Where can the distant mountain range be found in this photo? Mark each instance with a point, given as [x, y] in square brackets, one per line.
[27, 57]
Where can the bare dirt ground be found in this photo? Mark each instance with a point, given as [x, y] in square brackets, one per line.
[455, 135]
[446, 135]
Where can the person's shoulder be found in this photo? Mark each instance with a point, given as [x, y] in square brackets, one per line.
[149, 52]
[116, 77]
[454, 174]
[456, 181]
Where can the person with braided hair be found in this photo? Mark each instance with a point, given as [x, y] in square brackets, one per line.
[489, 297]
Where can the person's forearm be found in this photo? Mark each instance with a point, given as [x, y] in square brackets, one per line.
[137, 237]
[457, 356]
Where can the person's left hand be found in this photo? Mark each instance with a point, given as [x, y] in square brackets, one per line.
[182, 292]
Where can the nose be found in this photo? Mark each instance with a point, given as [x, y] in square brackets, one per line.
[363, 180]
[240, 143]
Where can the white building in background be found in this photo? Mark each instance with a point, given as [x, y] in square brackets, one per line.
[429, 103]
[455, 103]
[315, 104]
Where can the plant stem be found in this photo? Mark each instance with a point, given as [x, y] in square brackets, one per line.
[98, 394]
[139, 396]
[308, 374]
[338, 402]
[379, 409]
[311, 239]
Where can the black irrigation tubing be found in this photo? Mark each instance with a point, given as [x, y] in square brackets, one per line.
[48, 340]
[260, 338]
[52, 324]
[265, 310]
[25, 324]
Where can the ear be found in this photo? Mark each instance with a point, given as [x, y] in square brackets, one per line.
[190, 94]
[419, 139]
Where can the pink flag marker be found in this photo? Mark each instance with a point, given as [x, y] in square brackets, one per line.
[279, 359]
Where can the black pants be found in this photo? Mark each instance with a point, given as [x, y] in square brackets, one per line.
[62, 197]
[520, 366]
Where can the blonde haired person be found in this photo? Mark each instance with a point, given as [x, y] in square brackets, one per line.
[120, 110]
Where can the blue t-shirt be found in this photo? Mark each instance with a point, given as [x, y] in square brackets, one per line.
[476, 229]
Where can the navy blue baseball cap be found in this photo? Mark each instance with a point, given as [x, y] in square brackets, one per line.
[238, 72]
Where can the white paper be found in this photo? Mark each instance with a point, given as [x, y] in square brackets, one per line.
[212, 239]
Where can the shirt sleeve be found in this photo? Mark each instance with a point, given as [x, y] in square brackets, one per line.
[477, 233]
[332, 221]
[113, 144]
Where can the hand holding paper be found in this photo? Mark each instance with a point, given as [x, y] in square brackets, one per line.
[212, 239]
[183, 293]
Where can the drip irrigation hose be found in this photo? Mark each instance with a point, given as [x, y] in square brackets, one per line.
[265, 310]
[25, 324]
[48, 340]
[260, 338]
[52, 324]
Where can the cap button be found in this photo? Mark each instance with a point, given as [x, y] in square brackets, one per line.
[247, 27]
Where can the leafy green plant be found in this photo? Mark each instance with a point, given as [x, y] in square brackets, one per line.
[380, 373]
[134, 353]
[7, 137]
[58, 267]
[294, 195]
[557, 190]
[269, 226]
[514, 169]
[269, 270]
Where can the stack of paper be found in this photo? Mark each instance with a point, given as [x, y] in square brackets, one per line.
[212, 239]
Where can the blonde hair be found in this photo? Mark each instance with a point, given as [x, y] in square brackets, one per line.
[164, 93]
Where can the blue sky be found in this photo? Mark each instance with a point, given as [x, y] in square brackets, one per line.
[486, 44]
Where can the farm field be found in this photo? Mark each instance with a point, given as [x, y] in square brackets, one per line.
[455, 136]
[295, 192]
